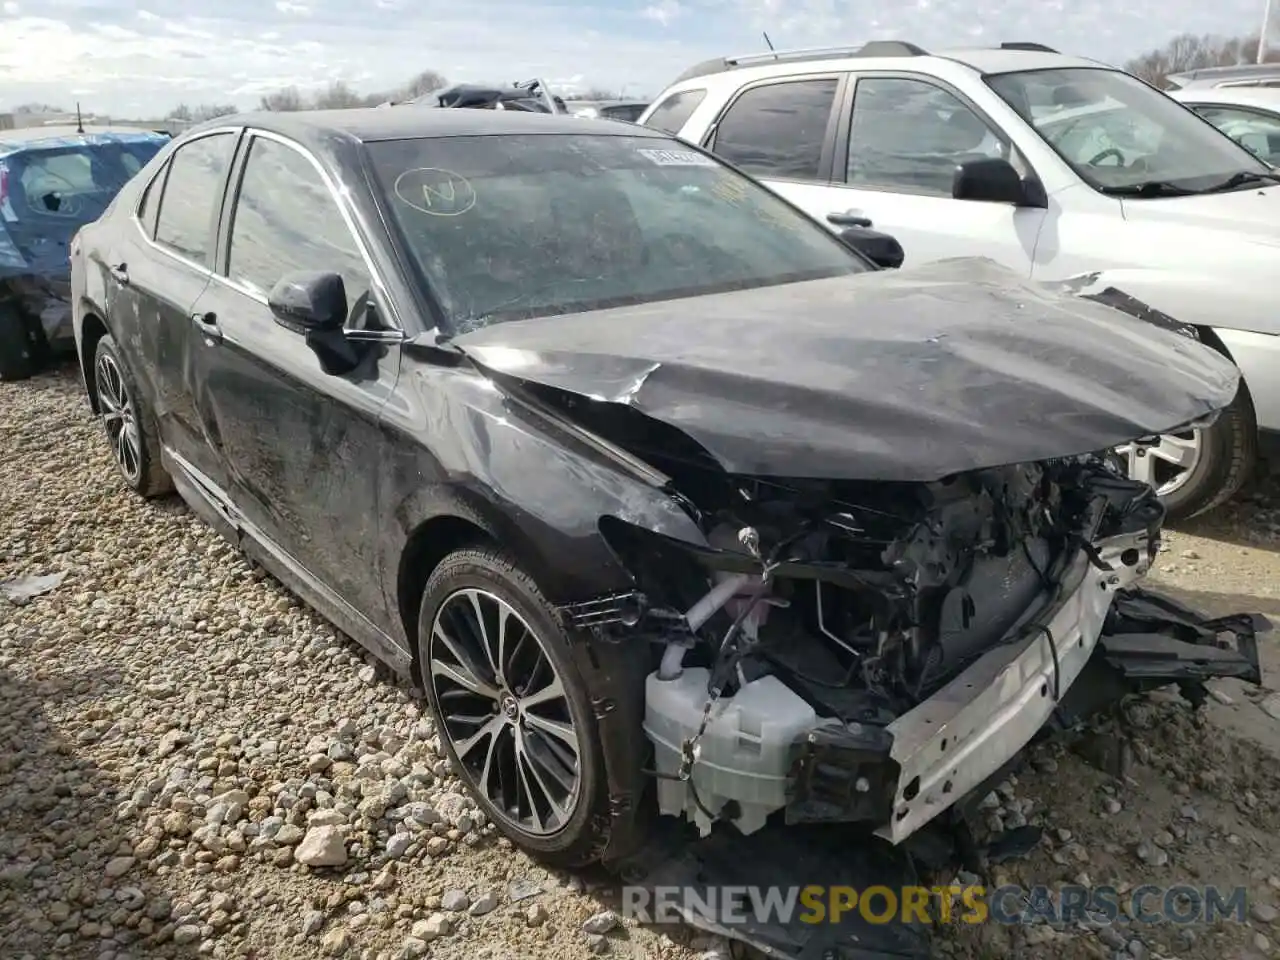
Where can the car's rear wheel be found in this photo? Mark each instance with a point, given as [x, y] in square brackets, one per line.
[510, 706]
[1195, 471]
[22, 346]
[128, 422]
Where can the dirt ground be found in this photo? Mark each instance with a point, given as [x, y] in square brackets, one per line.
[173, 724]
[1200, 800]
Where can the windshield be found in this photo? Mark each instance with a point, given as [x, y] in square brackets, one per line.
[505, 228]
[1122, 136]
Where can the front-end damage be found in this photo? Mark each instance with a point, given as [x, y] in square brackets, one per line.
[871, 653]
[860, 656]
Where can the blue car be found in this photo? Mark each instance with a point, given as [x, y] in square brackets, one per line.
[53, 181]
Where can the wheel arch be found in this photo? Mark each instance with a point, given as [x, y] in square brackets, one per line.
[1210, 338]
[427, 545]
[92, 329]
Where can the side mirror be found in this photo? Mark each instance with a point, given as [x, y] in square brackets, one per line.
[880, 248]
[309, 301]
[989, 179]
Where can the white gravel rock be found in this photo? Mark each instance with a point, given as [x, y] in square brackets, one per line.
[322, 847]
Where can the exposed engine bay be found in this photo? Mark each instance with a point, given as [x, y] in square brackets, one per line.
[870, 652]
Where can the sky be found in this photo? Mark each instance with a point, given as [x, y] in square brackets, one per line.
[139, 59]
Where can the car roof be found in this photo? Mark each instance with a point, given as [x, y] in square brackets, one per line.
[883, 55]
[1266, 97]
[409, 122]
[25, 138]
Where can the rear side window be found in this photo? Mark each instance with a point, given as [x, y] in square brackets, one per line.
[673, 113]
[192, 195]
[779, 130]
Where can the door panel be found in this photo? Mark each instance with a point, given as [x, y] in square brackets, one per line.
[169, 274]
[302, 448]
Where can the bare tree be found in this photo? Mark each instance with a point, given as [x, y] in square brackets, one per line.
[283, 101]
[1194, 52]
[423, 83]
[38, 108]
[339, 96]
[598, 93]
[201, 112]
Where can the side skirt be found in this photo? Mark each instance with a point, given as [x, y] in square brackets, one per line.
[209, 503]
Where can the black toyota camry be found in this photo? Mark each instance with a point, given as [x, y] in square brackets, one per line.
[677, 505]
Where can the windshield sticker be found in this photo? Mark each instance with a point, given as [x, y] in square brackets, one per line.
[677, 158]
[435, 192]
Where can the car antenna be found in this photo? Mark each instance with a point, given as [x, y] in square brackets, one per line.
[767, 41]
[79, 122]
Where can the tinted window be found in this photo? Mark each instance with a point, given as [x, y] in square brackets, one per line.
[1259, 133]
[1121, 136]
[286, 221]
[192, 193]
[778, 130]
[523, 226]
[909, 135]
[673, 113]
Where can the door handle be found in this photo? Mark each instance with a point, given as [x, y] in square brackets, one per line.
[207, 323]
[120, 273]
[848, 219]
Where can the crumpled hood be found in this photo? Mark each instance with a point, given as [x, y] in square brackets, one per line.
[893, 375]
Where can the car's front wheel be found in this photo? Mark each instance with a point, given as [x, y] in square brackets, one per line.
[128, 422]
[510, 706]
[1196, 471]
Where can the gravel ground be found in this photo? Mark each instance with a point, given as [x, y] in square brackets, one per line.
[191, 763]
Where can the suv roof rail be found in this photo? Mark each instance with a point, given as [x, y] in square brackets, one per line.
[872, 48]
[1027, 45]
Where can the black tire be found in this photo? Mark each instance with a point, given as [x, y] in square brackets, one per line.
[22, 346]
[149, 478]
[1228, 460]
[579, 839]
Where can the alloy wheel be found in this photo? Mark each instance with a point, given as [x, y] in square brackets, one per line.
[505, 711]
[1168, 464]
[119, 417]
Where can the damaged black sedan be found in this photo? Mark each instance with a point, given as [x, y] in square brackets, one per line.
[675, 504]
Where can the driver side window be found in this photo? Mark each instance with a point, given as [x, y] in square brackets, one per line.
[908, 135]
[286, 220]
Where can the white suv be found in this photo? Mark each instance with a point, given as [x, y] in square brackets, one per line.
[1053, 165]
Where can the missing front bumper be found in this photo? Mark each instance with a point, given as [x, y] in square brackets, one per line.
[959, 738]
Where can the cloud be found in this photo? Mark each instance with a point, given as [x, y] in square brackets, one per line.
[663, 12]
[143, 61]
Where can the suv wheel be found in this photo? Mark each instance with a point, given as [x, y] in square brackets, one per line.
[1195, 472]
[128, 422]
[510, 706]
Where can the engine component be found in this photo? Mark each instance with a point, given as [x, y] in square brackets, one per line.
[742, 757]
